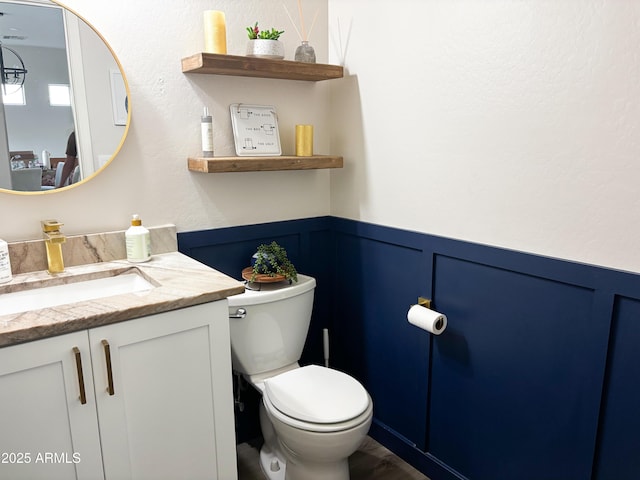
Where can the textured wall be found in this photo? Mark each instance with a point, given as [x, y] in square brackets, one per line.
[150, 176]
[508, 123]
[513, 124]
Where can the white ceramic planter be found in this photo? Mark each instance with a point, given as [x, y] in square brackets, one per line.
[265, 49]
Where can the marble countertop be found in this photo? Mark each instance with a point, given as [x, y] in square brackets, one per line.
[179, 282]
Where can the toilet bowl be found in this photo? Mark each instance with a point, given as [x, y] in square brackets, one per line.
[312, 418]
[320, 417]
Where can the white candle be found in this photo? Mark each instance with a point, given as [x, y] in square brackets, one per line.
[215, 32]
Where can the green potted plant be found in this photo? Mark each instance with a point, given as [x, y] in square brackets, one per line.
[270, 264]
[264, 43]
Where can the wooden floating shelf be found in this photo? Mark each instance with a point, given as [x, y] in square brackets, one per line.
[218, 64]
[263, 164]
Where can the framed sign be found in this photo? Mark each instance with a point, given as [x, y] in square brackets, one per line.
[255, 130]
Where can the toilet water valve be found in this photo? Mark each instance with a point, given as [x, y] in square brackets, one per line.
[240, 313]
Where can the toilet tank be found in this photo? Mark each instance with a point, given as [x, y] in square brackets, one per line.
[273, 330]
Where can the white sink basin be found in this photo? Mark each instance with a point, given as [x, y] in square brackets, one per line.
[80, 291]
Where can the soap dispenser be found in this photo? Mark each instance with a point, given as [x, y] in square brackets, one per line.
[138, 241]
[5, 262]
[53, 240]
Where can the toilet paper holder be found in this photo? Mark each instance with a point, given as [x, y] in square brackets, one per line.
[424, 302]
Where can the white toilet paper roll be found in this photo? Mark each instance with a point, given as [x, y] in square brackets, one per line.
[427, 319]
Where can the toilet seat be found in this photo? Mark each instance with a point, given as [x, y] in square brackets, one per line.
[277, 415]
[317, 398]
[317, 394]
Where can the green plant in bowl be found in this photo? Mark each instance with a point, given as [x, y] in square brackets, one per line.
[272, 260]
[254, 33]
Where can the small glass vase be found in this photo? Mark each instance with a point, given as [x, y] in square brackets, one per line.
[305, 53]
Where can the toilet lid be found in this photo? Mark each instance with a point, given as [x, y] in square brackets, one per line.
[317, 394]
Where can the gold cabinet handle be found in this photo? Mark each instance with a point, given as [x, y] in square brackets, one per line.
[107, 355]
[83, 394]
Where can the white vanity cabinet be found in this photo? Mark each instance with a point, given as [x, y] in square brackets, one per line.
[43, 423]
[158, 405]
[171, 412]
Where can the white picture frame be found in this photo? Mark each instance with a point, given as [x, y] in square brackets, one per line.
[119, 101]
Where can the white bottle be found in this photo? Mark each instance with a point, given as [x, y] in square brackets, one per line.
[5, 262]
[138, 241]
[46, 159]
[206, 126]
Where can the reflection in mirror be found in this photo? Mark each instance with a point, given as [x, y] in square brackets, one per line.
[73, 87]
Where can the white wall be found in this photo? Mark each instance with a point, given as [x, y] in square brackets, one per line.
[507, 123]
[38, 125]
[515, 124]
[150, 175]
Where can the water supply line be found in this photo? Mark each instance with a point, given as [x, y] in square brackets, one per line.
[239, 388]
[325, 345]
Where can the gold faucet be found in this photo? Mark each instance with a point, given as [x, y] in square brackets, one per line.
[53, 240]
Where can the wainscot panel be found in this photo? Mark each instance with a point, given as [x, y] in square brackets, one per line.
[535, 376]
[508, 383]
[376, 283]
[618, 457]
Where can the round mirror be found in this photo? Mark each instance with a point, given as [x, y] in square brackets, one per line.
[65, 100]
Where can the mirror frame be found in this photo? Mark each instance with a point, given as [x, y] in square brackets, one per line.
[126, 129]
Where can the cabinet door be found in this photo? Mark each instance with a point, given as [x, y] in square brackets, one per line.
[46, 432]
[170, 412]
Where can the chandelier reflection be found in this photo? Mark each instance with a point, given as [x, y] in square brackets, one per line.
[15, 74]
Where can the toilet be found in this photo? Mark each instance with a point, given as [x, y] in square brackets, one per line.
[312, 417]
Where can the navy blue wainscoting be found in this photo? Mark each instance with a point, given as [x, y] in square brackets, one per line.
[536, 376]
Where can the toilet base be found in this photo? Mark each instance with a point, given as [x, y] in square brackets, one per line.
[317, 471]
[279, 463]
[272, 466]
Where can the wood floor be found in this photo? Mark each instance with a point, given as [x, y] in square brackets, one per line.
[371, 462]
